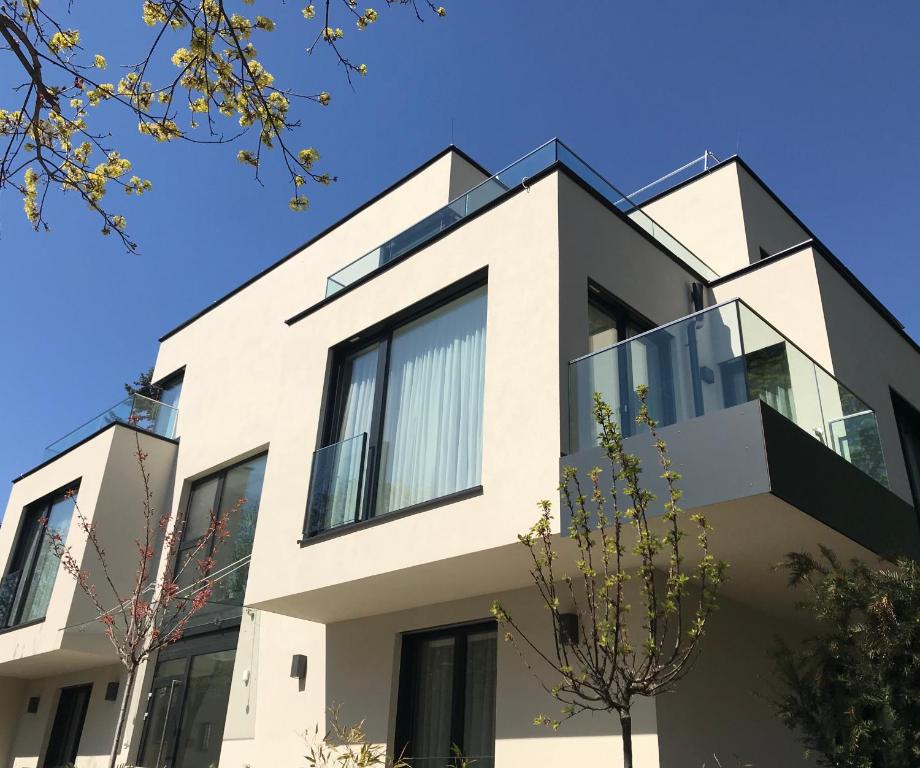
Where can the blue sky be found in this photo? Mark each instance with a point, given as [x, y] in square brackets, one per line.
[820, 98]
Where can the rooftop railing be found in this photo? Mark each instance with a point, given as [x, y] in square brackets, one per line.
[482, 194]
[717, 358]
[136, 410]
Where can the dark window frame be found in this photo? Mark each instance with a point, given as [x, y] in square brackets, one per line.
[55, 736]
[625, 317]
[902, 407]
[405, 706]
[622, 312]
[30, 556]
[186, 649]
[221, 476]
[379, 335]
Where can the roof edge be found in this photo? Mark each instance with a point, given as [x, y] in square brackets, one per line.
[366, 204]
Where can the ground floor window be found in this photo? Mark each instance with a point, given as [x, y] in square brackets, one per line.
[446, 701]
[187, 703]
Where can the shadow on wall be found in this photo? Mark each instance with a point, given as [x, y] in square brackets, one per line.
[720, 708]
[362, 674]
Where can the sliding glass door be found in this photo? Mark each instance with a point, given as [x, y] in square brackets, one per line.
[446, 708]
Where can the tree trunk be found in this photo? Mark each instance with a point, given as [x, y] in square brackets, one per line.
[626, 725]
[122, 717]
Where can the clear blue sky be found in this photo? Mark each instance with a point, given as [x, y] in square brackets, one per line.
[821, 98]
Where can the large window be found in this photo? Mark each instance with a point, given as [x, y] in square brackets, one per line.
[26, 588]
[908, 420]
[447, 697]
[221, 495]
[405, 419]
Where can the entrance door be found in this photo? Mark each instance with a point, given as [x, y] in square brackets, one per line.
[164, 703]
[68, 726]
[187, 703]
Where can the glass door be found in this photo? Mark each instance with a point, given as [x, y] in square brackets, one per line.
[68, 726]
[162, 717]
[187, 703]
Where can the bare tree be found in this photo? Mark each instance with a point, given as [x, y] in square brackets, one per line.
[55, 135]
[153, 610]
[601, 666]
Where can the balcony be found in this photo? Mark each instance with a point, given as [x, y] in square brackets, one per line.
[139, 411]
[513, 177]
[47, 625]
[711, 361]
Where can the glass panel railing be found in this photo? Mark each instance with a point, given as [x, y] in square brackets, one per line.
[691, 367]
[336, 485]
[628, 206]
[8, 587]
[714, 359]
[142, 412]
[495, 186]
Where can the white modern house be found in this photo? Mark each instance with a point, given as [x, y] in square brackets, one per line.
[392, 399]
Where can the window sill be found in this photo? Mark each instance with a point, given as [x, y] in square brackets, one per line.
[361, 525]
[25, 624]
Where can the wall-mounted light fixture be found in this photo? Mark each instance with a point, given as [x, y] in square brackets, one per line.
[111, 691]
[32, 706]
[568, 628]
[299, 666]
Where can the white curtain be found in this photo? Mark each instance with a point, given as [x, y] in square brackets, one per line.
[346, 485]
[432, 436]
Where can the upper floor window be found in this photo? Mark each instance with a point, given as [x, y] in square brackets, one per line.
[25, 591]
[169, 390]
[405, 421]
[908, 421]
[234, 494]
[609, 321]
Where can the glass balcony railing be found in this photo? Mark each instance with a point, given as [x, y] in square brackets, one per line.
[336, 485]
[482, 194]
[140, 411]
[715, 359]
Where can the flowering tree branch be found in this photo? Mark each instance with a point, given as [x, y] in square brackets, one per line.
[605, 668]
[49, 141]
[153, 609]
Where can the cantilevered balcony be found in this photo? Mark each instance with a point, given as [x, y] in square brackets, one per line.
[716, 359]
[776, 452]
[552, 154]
[136, 410]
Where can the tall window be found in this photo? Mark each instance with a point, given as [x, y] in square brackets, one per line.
[220, 495]
[26, 588]
[447, 697]
[170, 390]
[405, 424]
[908, 420]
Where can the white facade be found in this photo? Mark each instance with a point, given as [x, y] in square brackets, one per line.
[453, 463]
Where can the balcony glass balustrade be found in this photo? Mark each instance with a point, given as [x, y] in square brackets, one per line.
[482, 194]
[137, 410]
[715, 359]
[336, 485]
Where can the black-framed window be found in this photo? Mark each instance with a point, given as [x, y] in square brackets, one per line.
[25, 591]
[908, 420]
[187, 703]
[610, 322]
[446, 700]
[220, 495]
[403, 424]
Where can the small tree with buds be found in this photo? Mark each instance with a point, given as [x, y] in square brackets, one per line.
[605, 667]
[153, 610]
